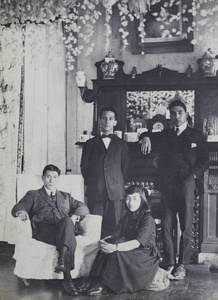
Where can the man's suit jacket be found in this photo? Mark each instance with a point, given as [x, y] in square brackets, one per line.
[97, 164]
[35, 203]
[180, 157]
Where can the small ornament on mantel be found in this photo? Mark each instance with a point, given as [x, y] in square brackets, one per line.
[84, 137]
[109, 67]
[160, 70]
[189, 71]
[133, 72]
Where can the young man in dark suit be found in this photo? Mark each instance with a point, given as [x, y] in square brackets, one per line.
[104, 164]
[53, 215]
[183, 160]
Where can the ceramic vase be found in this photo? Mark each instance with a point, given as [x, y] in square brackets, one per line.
[208, 64]
[109, 67]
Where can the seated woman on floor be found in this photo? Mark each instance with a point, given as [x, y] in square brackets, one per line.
[128, 261]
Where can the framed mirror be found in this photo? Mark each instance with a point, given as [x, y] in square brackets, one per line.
[166, 28]
[148, 110]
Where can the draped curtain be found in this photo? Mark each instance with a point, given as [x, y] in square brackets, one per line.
[44, 98]
[32, 108]
[10, 78]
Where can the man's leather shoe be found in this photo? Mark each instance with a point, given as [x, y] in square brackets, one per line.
[97, 289]
[69, 287]
[180, 273]
[84, 286]
[60, 266]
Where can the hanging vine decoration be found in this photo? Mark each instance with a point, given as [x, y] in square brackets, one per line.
[79, 18]
[124, 14]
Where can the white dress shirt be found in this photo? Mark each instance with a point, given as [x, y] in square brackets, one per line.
[50, 191]
[106, 141]
[181, 128]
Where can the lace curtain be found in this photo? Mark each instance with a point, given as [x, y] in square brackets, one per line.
[32, 10]
[10, 78]
[44, 98]
[32, 108]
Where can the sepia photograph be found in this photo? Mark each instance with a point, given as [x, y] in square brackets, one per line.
[108, 149]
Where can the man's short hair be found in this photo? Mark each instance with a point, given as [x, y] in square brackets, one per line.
[51, 168]
[177, 103]
[108, 108]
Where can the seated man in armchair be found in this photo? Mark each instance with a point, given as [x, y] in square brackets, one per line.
[54, 217]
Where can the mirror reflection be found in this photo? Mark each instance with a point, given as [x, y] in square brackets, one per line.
[144, 106]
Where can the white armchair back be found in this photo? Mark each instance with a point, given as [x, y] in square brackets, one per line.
[73, 184]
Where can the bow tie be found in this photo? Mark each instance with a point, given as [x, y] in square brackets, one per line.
[106, 136]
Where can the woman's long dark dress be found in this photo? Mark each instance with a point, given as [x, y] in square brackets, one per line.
[134, 270]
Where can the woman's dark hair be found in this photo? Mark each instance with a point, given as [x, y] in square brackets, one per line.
[143, 194]
[51, 168]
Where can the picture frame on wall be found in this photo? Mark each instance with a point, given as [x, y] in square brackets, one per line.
[167, 30]
[139, 123]
[133, 124]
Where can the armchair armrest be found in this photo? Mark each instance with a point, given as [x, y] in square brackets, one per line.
[24, 230]
[41, 256]
[91, 226]
[25, 244]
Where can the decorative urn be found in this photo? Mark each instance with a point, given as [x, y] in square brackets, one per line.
[208, 64]
[109, 67]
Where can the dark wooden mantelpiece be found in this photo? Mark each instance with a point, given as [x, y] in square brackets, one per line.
[157, 76]
[112, 92]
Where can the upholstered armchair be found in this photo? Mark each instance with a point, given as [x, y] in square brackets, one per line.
[37, 260]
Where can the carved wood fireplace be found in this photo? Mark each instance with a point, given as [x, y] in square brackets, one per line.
[203, 102]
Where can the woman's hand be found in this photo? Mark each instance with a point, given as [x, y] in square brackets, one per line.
[107, 247]
[125, 246]
[106, 238]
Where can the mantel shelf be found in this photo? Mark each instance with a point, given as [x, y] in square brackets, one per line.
[82, 143]
[140, 82]
[159, 76]
[79, 143]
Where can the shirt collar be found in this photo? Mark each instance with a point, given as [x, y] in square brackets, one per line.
[50, 191]
[182, 127]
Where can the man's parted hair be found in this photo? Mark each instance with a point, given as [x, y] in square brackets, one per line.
[177, 103]
[108, 108]
[51, 168]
